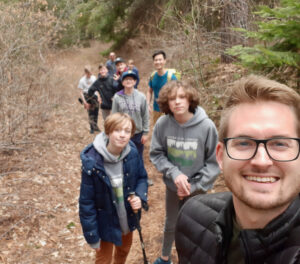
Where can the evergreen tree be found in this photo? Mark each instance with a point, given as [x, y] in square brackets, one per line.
[278, 35]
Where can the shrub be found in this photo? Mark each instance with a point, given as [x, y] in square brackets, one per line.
[25, 78]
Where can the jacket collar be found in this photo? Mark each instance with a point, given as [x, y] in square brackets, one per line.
[267, 241]
[259, 244]
[89, 160]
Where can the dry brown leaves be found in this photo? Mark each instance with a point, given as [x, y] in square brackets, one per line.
[40, 179]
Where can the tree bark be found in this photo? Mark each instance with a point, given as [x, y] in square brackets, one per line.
[234, 15]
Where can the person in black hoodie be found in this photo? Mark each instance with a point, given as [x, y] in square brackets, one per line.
[106, 87]
[258, 222]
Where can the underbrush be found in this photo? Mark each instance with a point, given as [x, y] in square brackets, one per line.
[26, 79]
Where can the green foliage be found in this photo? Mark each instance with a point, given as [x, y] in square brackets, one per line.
[70, 225]
[260, 58]
[279, 33]
[114, 20]
[82, 17]
[81, 20]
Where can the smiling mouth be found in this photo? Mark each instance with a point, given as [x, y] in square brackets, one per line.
[262, 179]
[121, 141]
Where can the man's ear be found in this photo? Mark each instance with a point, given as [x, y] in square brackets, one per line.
[219, 154]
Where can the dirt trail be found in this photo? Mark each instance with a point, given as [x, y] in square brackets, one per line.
[39, 220]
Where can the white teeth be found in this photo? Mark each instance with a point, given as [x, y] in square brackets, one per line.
[261, 179]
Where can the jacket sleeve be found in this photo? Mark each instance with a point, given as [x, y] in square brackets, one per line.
[158, 154]
[115, 108]
[119, 85]
[93, 88]
[115, 85]
[145, 115]
[87, 209]
[207, 175]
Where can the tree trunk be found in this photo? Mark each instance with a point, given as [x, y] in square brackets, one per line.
[235, 15]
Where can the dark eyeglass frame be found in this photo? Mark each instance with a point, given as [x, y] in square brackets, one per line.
[263, 141]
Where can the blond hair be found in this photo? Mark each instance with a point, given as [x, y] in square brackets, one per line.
[254, 89]
[117, 120]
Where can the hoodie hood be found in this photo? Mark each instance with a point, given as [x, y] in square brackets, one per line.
[100, 143]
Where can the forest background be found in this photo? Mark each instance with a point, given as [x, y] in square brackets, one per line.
[211, 42]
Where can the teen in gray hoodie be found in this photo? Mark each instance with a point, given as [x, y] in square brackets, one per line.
[183, 149]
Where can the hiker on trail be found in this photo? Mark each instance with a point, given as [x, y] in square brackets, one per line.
[132, 67]
[90, 102]
[133, 102]
[111, 65]
[106, 87]
[111, 170]
[258, 221]
[157, 80]
[183, 149]
[131, 64]
[122, 67]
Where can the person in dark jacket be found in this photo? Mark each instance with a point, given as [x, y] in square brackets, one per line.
[258, 222]
[106, 87]
[113, 186]
[111, 65]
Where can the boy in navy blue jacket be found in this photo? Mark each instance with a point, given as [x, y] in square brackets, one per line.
[111, 170]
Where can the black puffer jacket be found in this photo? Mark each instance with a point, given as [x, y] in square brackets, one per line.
[107, 87]
[204, 230]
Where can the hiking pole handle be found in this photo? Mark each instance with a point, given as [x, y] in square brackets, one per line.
[131, 195]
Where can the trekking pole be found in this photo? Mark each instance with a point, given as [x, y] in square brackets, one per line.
[131, 195]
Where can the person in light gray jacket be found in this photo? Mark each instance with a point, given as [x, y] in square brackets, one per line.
[133, 102]
[183, 149]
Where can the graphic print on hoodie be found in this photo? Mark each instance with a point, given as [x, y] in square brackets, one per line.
[117, 184]
[187, 149]
[182, 152]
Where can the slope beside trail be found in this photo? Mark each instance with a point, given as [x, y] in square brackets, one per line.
[39, 220]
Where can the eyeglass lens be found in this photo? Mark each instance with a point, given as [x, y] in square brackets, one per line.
[280, 149]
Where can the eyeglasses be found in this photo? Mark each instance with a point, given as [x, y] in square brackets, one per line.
[278, 149]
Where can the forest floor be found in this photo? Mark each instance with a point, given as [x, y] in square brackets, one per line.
[39, 189]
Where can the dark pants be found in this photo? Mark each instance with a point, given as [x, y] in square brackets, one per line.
[93, 117]
[136, 139]
[93, 112]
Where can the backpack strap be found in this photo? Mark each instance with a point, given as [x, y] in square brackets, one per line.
[170, 74]
[152, 75]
